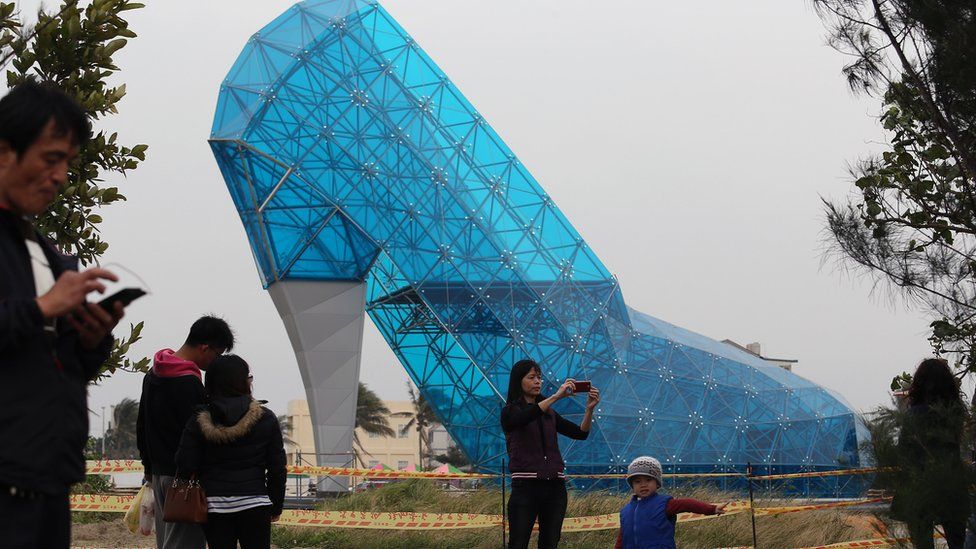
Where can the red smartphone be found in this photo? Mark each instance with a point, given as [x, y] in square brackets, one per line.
[581, 387]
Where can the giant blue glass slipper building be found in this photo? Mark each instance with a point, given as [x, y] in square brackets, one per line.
[354, 160]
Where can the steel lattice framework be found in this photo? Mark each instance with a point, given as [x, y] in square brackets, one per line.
[351, 156]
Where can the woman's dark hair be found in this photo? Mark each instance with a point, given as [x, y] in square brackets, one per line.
[933, 383]
[519, 370]
[211, 330]
[30, 106]
[227, 377]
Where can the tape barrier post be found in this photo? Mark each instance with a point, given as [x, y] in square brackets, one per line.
[504, 518]
[752, 504]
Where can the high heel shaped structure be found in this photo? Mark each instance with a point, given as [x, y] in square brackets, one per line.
[367, 183]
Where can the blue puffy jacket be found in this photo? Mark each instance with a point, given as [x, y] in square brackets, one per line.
[644, 523]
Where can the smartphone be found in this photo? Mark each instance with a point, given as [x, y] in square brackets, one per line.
[124, 296]
[581, 387]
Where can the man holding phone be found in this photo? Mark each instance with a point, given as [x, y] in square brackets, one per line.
[52, 341]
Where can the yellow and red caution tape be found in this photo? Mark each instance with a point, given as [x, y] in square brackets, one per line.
[814, 474]
[763, 511]
[108, 466]
[421, 521]
[666, 475]
[133, 466]
[731, 508]
[452, 521]
[388, 521]
[611, 521]
[879, 542]
[101, 502]
[103, 467]
[377, 473]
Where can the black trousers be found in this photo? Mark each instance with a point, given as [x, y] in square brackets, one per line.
[42, 522]
[921, 533]
[252, 528]
[532, 499]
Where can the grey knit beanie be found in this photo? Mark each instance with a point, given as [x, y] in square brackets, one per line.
[645, 466]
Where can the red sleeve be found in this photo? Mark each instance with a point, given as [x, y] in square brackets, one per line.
[688, 505]
[620, 540]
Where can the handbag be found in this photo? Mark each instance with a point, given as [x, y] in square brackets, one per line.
[185, 502]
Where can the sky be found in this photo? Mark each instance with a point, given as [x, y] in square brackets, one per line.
[690, 143]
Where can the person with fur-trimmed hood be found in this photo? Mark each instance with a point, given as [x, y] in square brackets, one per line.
[648, 520]
[234, 446]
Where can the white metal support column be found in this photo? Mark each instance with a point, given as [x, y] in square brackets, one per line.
[324, 320]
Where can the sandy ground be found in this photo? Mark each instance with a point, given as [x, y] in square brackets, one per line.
[113, 534]
[108, 534]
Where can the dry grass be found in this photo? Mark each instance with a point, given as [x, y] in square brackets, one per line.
[784, 531]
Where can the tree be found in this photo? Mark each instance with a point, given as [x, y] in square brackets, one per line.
[911, 224]
[421, 419]
[454, 456]
[93, 484]
[120, 438]
[372, 416]
[287, 427]
[73, 48]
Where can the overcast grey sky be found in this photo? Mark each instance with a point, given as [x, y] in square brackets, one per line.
[689, 143]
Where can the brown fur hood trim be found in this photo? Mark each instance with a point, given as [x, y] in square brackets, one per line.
[223, 434]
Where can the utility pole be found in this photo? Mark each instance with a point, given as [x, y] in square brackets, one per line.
[103, 432]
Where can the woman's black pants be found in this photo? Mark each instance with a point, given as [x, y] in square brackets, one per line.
[536, 499]
[252, 528]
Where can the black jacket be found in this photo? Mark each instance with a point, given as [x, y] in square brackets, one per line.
[234, 446]
[530, 437]
[167, 403]
[932, 483]
[43, 378]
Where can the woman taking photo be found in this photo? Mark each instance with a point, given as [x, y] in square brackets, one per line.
[234, 446]
[538, 483]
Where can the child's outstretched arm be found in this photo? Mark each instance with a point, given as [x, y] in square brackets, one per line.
[689, 505]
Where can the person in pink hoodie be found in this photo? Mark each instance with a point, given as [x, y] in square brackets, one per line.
[171, 392]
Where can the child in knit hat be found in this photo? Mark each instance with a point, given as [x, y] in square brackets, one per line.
[648, 519]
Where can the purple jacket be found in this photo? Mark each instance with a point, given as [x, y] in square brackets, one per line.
[530, 437]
